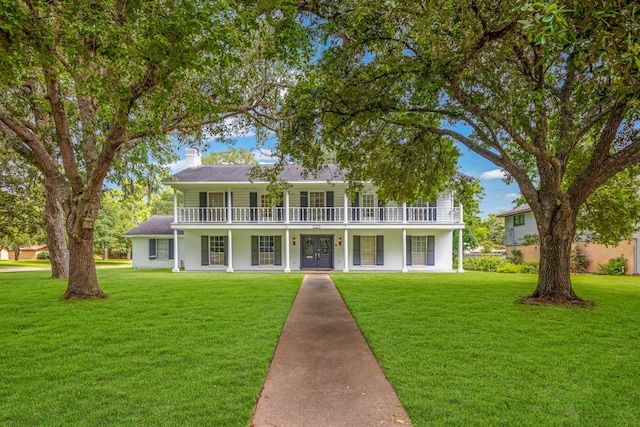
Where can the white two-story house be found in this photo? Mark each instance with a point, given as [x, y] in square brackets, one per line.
[228, 224]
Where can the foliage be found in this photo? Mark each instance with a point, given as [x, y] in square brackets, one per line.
[614, 267]
[125, 355]
[233, 156]
[579, 260]
[21, 202]
[530, 267]
[459, 352]
[508, 267]
[548, 91]
[530, 239]
[485, 263]
[43, 255]
[84, 83]
[516, 256]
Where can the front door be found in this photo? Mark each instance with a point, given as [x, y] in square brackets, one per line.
[317, 251]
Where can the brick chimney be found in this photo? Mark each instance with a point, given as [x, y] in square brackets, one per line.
[193, 157]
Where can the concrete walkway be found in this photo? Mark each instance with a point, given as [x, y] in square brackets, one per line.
[323, 372]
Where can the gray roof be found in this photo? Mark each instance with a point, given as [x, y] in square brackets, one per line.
[157, 225]
[520, 209]
[240, 173]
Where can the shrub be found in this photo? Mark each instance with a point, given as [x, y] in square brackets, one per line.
[579, 260]
[516, 256]
[485, 263]
[508, 267]
[530, 267]
[43, 255]
[615, 267]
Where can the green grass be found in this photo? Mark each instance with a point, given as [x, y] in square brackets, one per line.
[459, 351]
[165, 349]
[44, 263]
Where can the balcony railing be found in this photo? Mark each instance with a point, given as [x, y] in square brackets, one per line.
[383, 215]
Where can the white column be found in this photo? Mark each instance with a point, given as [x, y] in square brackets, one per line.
[176, 256]
[286, 214]
[229, 252]
[404, 213]
[460, 248]
[287, 266]
[345, 243]
[461, 217]
[175, 206]
[404, 251]
[346, 208]
[229, 207]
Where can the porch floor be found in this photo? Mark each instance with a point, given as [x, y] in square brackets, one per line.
[323, 372]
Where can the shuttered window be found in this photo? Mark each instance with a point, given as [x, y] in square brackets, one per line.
[368, 250]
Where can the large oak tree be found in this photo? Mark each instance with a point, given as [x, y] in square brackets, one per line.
[84, 82]
[547, 91]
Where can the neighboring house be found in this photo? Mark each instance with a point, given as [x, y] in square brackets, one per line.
[520, 223]
[27, 252]
[152, 243]
[229, 225]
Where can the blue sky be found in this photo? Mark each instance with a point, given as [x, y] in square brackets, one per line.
[498, 195]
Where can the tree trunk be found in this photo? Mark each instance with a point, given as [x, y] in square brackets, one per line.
[83, 280]
[56, 241]
[554, 279]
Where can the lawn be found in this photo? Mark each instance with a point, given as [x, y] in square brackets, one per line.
[44, 263]
[459, 351]
[165, 349]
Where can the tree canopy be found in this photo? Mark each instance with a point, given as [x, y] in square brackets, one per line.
[547, 91]
[83, 83]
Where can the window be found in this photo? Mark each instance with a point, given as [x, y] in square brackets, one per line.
[316, 199]
[216, 200]
[161, 249]
[216, 250]
[265, 206]
[266, 250]
[368, 211]
[419, 250]
[368, 250]
[518, 220]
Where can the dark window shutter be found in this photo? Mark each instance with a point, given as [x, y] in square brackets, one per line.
[226, 198]
[356, 250]
[379, 250]
[381, 210]
[255, 255]
[355, 213]
[277, 247]
[409, 250]
[431, 250]
[329, 203]
[253, 206]
[204, 250]
[203, 206]
[225, 241]
[304, 203]
[152, 248]
[171, 251]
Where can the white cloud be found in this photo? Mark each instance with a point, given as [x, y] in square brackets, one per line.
[264, 155]
[178, 166]
[511, 196]
[493, 174]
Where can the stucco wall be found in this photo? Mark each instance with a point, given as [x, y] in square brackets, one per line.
[598, 253]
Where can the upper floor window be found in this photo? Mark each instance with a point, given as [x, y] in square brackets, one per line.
[518, 219]
[316, 199]
[216, 200]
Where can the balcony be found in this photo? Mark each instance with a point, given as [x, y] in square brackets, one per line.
[335, 215]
